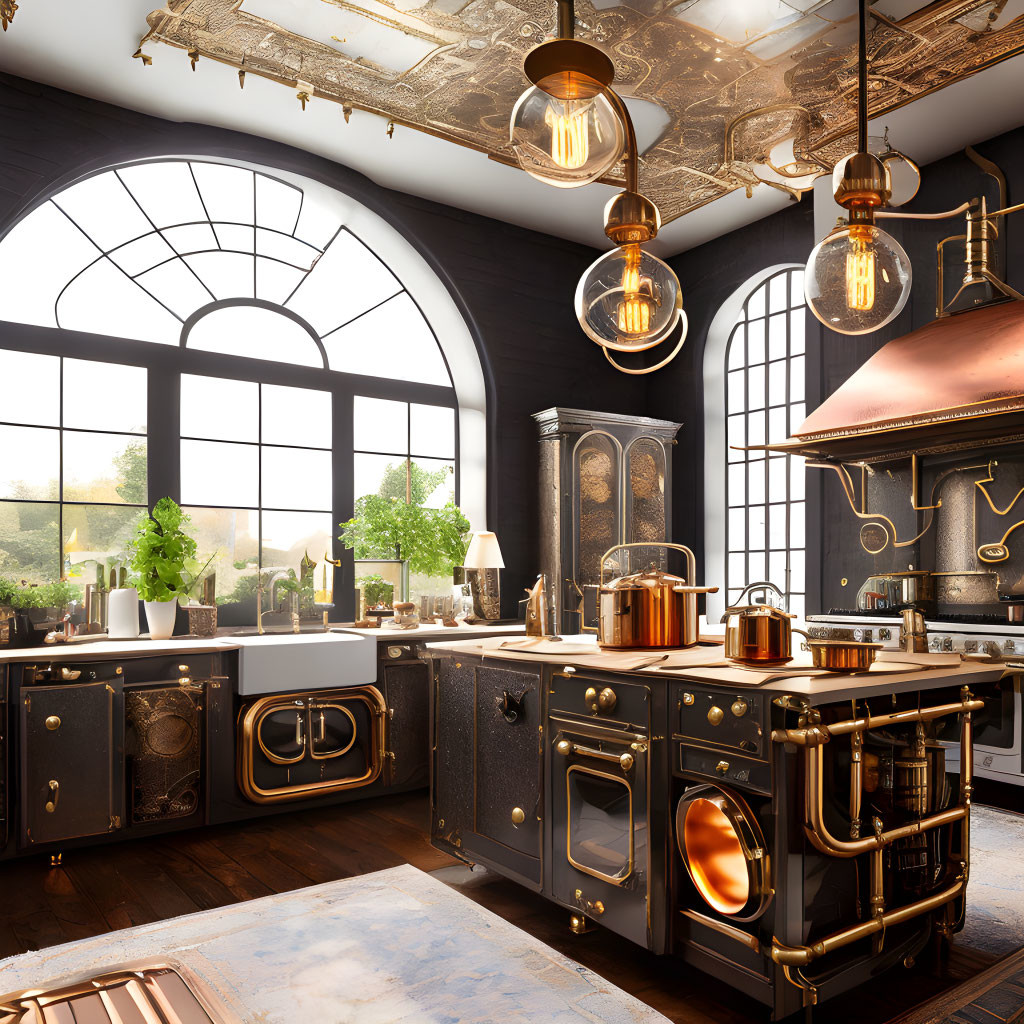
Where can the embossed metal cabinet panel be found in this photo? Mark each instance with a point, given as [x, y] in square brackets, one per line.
[72, 740]
[507, 758]
[406, 687]
[453, 751]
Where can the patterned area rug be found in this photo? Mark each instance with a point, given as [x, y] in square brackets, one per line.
[395, 945]
[995, 893]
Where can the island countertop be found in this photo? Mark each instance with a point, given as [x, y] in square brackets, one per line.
[707, 665]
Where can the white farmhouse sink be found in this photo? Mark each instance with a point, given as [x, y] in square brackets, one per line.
[286, 662]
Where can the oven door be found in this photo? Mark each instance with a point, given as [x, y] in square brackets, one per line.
[299, 745]
[997, 733]
[599, 826]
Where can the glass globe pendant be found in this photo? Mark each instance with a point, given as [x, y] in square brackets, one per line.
[628, 300]
[570, 140]
[857, 279]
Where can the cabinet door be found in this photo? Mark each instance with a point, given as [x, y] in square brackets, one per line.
[508, 758]
[452, 783]
[406, 687]
[71, 761]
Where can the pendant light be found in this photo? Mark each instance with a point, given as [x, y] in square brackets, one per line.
[858, 277]
[565, 130]
[569, 129]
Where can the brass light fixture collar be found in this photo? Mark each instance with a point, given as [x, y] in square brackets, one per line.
[569, 69]
[631, 217]
[864, 185]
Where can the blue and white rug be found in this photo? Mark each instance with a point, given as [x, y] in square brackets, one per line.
[395, 945]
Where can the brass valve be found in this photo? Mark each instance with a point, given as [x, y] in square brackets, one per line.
[603, 701]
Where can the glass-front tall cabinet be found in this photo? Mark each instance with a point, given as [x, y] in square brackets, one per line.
[604, 480]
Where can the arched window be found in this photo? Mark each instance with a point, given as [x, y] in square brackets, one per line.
[754, 383]
[258, 346]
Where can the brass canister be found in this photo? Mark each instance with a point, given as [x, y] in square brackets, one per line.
[651, 608]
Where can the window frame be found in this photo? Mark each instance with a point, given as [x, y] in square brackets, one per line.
[165, 363]
[716, 442]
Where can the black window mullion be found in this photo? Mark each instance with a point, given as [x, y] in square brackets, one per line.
[343, 491]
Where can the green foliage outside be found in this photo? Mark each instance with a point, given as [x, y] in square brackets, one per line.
[163, 556]
[376, 590]
[386, 526]
[49, 595]
[131, 466]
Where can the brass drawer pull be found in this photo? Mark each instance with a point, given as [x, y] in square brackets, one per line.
[625, 760]
[518, 816]
[52, 722]
[69, 674]
[51, 804]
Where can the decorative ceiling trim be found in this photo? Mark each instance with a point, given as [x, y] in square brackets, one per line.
[776, 107]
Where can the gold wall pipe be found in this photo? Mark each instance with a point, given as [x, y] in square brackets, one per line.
[856, 781]
[799, 956]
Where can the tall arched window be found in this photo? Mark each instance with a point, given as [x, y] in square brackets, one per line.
[754, 378]
[258, 346]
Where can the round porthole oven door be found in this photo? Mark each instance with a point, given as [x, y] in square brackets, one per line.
[724, 852]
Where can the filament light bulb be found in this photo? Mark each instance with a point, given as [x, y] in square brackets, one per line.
[628, 300]
[566, 142]
[857, 279]
[860, 270]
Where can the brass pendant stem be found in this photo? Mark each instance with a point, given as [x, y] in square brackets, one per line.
[566, 19]
[630, 155]
[862, 80]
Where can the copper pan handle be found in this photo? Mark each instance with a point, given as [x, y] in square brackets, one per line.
[691, 562]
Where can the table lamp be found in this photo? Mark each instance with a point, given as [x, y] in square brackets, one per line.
[482, 564]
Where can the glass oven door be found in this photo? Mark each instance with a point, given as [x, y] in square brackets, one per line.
[600, 827]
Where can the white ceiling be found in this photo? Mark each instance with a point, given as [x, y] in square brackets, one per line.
[52, 41]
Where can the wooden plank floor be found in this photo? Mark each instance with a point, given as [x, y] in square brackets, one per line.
[117, 886]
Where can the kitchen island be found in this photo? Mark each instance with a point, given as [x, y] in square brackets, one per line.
[792, 834]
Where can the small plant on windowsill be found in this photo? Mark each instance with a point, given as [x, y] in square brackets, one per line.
[163, 564]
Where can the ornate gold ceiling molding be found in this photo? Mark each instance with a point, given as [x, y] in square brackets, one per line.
[775, 107]
[7, 9]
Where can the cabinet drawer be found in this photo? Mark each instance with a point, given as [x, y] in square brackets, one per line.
[721, 766]
[718, 718]
[576, 694]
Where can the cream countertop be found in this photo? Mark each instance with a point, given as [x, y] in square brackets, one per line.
[703, 664]
[98, 650]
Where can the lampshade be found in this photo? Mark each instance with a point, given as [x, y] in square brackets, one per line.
[484, 552]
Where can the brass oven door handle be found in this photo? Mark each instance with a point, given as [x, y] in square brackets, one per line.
[625, 760]
[298, 729]
[323, 728]
[51, 804]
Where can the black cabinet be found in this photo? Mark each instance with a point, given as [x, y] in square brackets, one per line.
[72, 778]
[406, 685]
[488, 765]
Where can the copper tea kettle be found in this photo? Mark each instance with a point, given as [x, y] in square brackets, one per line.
[759, 632]
[650, 608]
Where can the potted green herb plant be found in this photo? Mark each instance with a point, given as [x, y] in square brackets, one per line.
[163, 564]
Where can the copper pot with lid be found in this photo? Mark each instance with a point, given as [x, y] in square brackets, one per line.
[759, 632]
[651, 608]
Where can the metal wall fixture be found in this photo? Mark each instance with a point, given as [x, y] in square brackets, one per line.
[569, 129]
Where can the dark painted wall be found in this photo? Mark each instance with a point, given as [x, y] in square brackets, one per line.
[514, 286]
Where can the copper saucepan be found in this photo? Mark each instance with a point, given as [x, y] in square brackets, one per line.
[651, 608]
[842, 655]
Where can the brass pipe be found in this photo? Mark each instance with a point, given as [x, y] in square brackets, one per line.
[800, 956]
[877, 882]
[856, 781]
[822, 839]
[816, 733]
[630, 155]
[566, 19]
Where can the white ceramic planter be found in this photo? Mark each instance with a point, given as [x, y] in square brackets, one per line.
[160, 616]
[123, 613]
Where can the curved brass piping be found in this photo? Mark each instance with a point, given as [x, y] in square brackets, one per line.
[630, 155]
[800, 956]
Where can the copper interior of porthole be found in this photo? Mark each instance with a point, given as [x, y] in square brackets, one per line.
[715, 856]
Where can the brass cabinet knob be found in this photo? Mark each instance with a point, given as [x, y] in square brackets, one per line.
[597, 908]
[51, 804]
[687, 699]
[739, 707]
[69, 675]
[518, 816]
[590, 697]
[605, 700]
[626, 761]
[722, 767]
[715, 715]
[53, 722]
[564, 747]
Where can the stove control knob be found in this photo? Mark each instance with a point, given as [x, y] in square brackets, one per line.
[991, 648]
[739, 707]
[885, 634]
[865, 635]
[603, 701]
[722, 767]
[934, 643]
[715, 715]
[947, 643]
[970, 646]
[564, 747]
[1009, 646]
[626, 761]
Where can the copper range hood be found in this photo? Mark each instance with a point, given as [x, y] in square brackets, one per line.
[956, 383]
